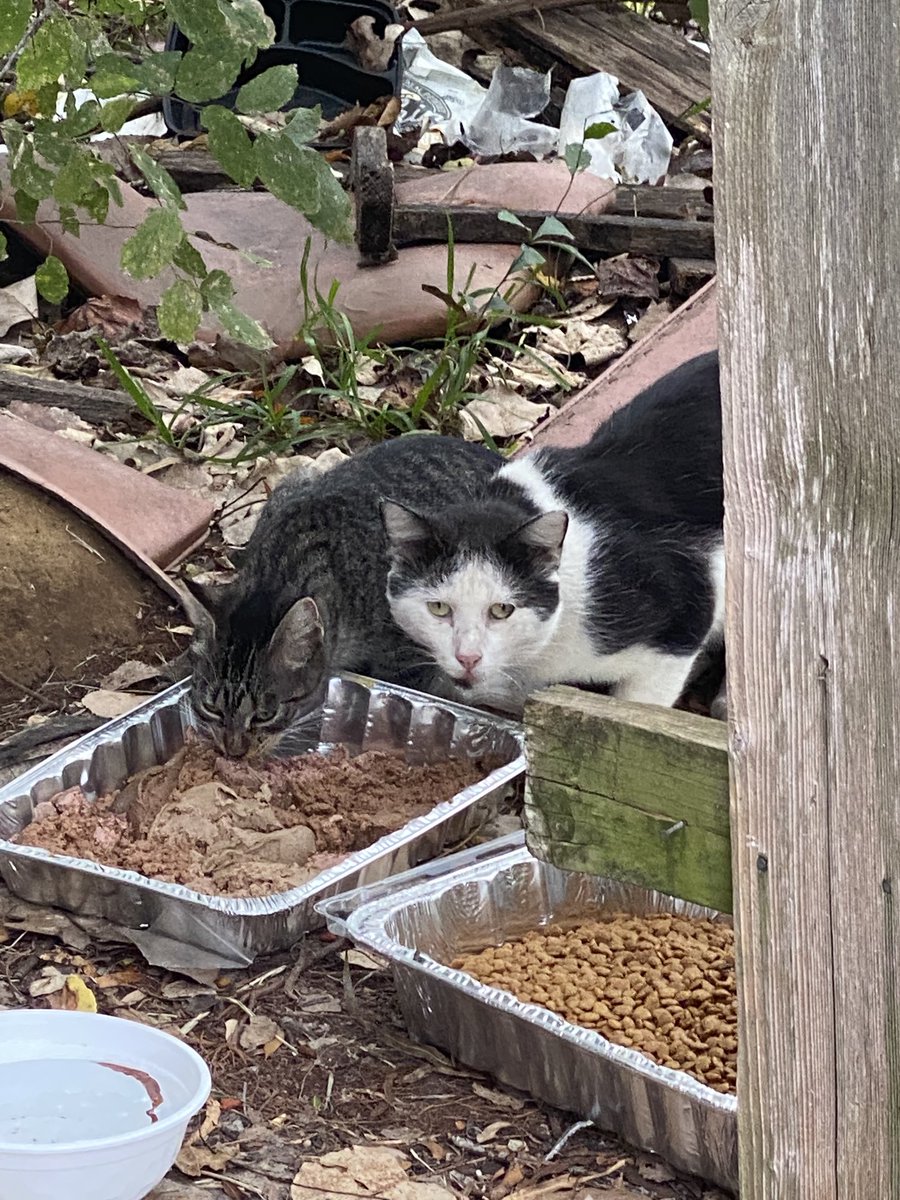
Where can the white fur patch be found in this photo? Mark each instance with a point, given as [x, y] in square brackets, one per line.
[523, 653]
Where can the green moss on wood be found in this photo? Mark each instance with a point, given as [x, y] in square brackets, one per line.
[608, 781]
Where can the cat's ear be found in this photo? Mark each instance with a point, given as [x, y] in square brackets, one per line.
[298, 636]
[405, 529]
[198, 603]
[545, 534]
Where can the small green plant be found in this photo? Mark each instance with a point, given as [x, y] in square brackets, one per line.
[278, 417]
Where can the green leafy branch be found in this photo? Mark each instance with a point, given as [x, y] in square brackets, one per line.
[50, 156]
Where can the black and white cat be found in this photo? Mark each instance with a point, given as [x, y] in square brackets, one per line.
[602, 564]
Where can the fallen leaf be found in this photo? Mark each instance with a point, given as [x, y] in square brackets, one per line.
[57, 420]
[103, 703]
[18, 303]
[50, 980]
[434, 1148]
[654, 316]
[514, 1176]
[113, 316]
[258, 1032]
[498, 1099]
[195, 1159]
[540, 371]
[359, 958]
[125, 978]
[489, 1133]
[128, 674]
[502, 413]
[211, 1116]
[74, 996]
[364, 1171]
[594, 343]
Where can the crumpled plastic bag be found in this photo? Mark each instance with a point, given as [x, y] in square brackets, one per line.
[639, 149]
[447, 105]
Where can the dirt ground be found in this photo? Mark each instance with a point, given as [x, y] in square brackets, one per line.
[73, 606]
[309, 1056]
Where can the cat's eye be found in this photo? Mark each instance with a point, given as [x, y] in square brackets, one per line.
[203, 710]
[439, 608]
[501, 611]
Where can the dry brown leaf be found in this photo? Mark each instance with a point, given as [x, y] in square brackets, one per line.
[656, 314]
[103, 703]
[655, 1171]
[489, 1133]
[18, 303]
[498, 1099]
[197, 1158]
[258, 1033]
[49, 981]
[502, 412]
[128, 674]
[359, 958]
[514, 1176]
[595, 344]
[363, 1171]
[113, 316]
[127, 977]
[211, 1118]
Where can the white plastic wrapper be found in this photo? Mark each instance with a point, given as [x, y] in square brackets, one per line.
[640, 148]
[436, 97]
[445, 105]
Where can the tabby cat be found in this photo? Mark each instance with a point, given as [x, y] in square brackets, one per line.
[601, 564]
[309, 599]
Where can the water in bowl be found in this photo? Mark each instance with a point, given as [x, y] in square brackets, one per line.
[51, 1101]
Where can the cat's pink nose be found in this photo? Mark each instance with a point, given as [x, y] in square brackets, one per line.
[469, 661]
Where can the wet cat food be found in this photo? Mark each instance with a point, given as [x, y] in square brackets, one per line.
[232, 828]
[661, 984]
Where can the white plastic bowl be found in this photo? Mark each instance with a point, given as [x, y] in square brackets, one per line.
[50, 1100]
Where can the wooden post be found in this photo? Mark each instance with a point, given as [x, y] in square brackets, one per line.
[806, 101]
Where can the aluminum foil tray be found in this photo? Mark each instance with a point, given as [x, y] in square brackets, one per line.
[418, 930]
[359, 713]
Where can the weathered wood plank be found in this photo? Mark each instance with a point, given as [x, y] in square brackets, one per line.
[811, 360]
[96, 405]
[686, 275]
[602, 234]
[605, 837]
[640, 793]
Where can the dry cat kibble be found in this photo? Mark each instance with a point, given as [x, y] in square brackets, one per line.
[661, 984]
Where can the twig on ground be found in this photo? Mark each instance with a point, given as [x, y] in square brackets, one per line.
[21, 687]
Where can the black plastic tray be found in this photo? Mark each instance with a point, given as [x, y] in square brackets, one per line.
[309, 34]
